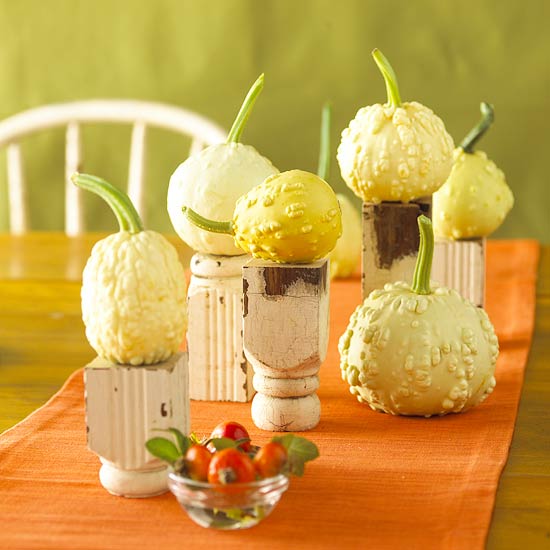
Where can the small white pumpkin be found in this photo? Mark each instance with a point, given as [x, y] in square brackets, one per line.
[211, 181]
[396, 151]
[416, 350]
[133, 287]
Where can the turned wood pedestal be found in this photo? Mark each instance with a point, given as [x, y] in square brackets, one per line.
[390, 242]
[218, 369]
[461, 265]
[286, 319]
[126, 406]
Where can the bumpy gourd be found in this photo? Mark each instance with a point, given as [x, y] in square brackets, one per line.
[291, 217]
[414, 350]
[344, 257]
[133, 287]
[396, 151]
[475, 199]
[212, 180]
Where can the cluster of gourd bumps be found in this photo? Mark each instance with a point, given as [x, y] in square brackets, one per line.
[408, 349]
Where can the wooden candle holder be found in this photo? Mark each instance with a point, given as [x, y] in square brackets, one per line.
[218, 369]
[390, 241]
[461, 265]
[125, 405]
[286, 318]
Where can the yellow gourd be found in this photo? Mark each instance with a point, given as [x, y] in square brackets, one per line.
[475, 199]
[292, 217]
[344, 257]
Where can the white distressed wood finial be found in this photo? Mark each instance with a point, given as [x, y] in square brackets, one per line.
[390, 242]
[218, 369]
[286, 317]
[125, 406]
[461, 265]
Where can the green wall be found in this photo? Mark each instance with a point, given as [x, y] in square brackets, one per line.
[203, 55]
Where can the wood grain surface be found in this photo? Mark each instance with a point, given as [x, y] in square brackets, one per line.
[521, 517]
[42, 341]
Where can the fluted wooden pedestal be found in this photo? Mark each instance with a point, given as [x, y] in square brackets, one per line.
[218, 369]
[286, 318]
[125, 406]
[461, 265]
[390, 241]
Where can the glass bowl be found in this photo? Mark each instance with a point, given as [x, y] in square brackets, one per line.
[234, 506]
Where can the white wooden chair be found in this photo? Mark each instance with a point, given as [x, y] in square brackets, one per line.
[140, 114]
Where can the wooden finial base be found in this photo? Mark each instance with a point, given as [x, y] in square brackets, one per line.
[390, 241]
[461, 265]
[125, 406]
[218, 369]
[286, 317]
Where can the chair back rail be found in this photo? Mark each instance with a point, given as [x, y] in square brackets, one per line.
[140, 114]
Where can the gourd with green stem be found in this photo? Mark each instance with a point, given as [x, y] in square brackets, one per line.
[398, 151]
[419, 349]
[291, 217]
[133, 287]
[475, 199]
[344, 257]
[212, 180]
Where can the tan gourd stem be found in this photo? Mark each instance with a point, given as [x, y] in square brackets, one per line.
[477, 132]
[392, 89]
[245, 110]
[120, 204]
[206, 224]
[423, 268]
[323, 169]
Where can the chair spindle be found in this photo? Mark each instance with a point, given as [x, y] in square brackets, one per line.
[16, 190]
[74, 217]
[137, 168]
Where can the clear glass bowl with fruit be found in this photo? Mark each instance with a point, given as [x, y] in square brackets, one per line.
[245, 505]
[225, 482]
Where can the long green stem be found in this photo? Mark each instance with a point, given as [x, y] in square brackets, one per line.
[245, 110]
[423, 268]
[476, 133]
[119, 202]
[392, 89]
[206, 224]
[323, 169]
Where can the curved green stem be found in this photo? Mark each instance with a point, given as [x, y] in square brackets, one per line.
[236, 131]
[119, 202]
[423, 268]
[476, 133]
[392, 89]
[206, 224]
[323, 169]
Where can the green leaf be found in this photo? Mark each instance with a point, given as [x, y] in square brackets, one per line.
[163, 448]
[245, 516]
[182, 441]
[235, 513]
[242, 440]
[300, 450]
[220, 443]
[195, 439]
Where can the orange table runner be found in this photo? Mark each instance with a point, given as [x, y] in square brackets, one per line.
[381, 481]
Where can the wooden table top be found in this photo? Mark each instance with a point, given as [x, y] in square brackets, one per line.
[42, 341]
